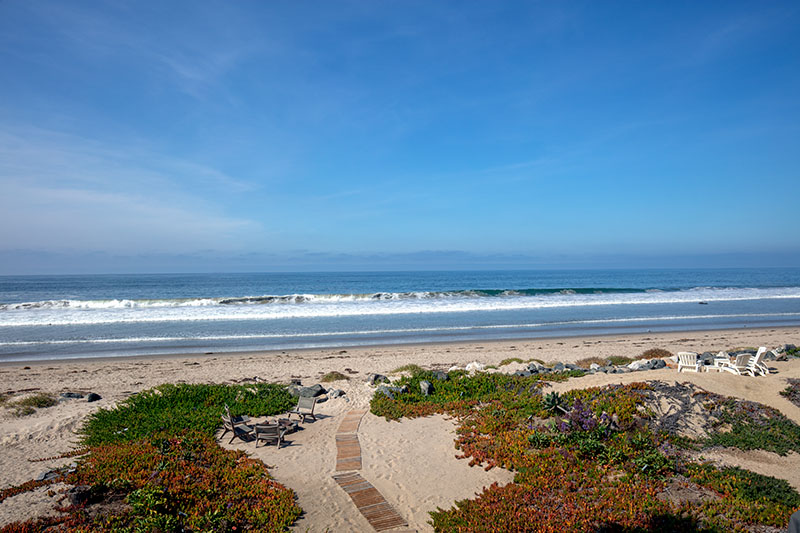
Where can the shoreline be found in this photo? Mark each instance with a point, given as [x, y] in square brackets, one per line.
[498, 343]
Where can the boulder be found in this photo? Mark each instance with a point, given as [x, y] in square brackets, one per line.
[390, 391]
[659, 363]
[770, 355]
[475, 366]
[441, 376]
[79, 495]
[47, 475]
[570, 366]
[93, 397]
[335, 393]
[636, 365]
[594, 366]
[559, 367]
[523, 373]
[426, 387]
[374, 379]
[306, 392]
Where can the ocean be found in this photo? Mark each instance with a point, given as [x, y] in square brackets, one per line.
[63, 317]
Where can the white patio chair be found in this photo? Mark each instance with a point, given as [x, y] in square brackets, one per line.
[688, 361]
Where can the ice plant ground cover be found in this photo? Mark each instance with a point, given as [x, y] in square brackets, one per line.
[153, 465]
[602, 459]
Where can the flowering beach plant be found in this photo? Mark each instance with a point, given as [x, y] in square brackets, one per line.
[596, 459]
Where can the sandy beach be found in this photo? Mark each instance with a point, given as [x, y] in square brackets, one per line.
[412, 463]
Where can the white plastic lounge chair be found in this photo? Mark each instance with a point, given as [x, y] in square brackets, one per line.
[269, 433]
[738, 367]
[756, 367]
[305, 408]
[688, 361]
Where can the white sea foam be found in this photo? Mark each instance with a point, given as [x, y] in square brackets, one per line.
[395, 331]
[71, 312]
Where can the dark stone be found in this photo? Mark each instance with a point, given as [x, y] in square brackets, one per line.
[426, 387]
[71, 395]
[558, 367]
[658, 363]
[335, 393]
[570, 366]
[79, 495]
[770, 356]
[707, 358]
[523, 373]
[93, 397]
[441, 376]
[374, 379]
[622, 370]
[789, 347]
[390, 391]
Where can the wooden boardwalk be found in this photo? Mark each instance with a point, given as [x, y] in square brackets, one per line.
[366, 498]
[369, 501]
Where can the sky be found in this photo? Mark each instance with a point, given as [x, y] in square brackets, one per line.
[189, 136]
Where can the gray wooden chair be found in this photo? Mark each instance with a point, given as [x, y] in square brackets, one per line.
[305, 408]
[269, 433]
[238, 428]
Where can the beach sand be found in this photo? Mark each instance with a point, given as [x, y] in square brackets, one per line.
[412, 463]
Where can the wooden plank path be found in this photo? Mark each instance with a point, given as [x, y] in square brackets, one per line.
[366, 498]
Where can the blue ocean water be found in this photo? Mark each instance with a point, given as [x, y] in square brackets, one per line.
[60, 317]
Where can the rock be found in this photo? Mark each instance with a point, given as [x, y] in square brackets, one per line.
[523, 373]
[47, 475]
[335, 393]
[390, 391]
[93, 397]
[475, 366]
[707, 358]
[79, 495]
[787, 348]
[374, 379]
[441, 376]
[558, 367]
[570, 366]
[322, 398]
[71, 395]
[770, 355]
[608, 369]
[306, 392]
[622, 370]
[594, 366]
[426, 387]
[659, 363]
[636, 365]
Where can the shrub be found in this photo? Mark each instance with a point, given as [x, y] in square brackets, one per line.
[656, 353]
[410, 368]
[619, 360]
[586, 362]
[510, 360]
[334, 376]
[28, 405]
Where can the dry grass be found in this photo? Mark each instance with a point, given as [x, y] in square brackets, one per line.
[586, 362]
[333, 376]
[656, 353]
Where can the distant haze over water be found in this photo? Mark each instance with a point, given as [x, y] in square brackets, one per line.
[60, 317]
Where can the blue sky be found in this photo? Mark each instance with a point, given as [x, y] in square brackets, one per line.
[203, 136]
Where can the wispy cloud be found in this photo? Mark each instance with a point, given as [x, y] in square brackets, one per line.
[67, 192]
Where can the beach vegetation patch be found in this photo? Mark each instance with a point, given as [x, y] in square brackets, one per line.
[28, 405]
[587, 362]
[334, 376]
[656, 353]
[172, 408]
[619, 360]
[410, 368]
[792, 391]
[601, 458]
[510, 360]
[153, 464]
